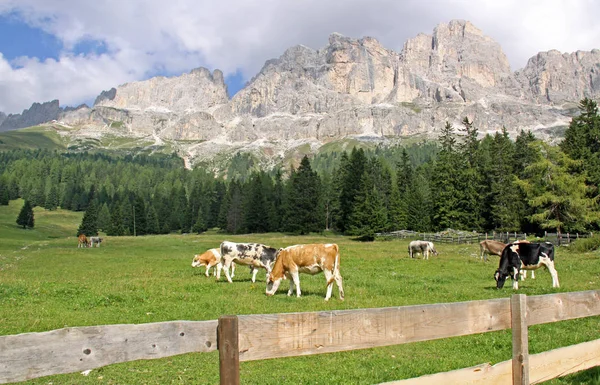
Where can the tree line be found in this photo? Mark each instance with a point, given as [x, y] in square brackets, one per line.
[462, 182]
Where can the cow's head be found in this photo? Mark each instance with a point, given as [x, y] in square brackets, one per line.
[272, 284]
[500, 278]
[196, 261]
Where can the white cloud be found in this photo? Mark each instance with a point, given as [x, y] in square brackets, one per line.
[144, 37]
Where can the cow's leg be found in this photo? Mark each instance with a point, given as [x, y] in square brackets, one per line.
[553, 273]
[226, 267]
[207, 272]
[515, 278]
[219, 268]
[296, 279]
[254, 271]
[532, 274]
[339, 281]
[292, 285]
[232, 270]
[329, 279]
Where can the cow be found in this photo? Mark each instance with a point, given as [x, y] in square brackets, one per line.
[310, 259]
[422, 247]
[82, 241]
[490, 247]
[253, 254]
[519, 256]
[209, 259]
[95, 241]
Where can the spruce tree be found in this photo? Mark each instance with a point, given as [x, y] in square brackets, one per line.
[89, 223]
[303, 200]
[25, 218]
[152, 223]
[557, 195]
[199, 226]
[116, 221]
[104, 218]
[4, 194]
[51, 202]
[369, 215]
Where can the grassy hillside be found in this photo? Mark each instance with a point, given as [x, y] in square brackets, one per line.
[31, 138]
[47, 283]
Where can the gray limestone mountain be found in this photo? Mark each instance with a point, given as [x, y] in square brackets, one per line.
[350, 88]
[2, 117]
[36, 114]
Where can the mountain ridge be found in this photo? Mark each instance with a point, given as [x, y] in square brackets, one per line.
[349, 88]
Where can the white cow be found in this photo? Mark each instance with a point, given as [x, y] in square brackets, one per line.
[423, 247]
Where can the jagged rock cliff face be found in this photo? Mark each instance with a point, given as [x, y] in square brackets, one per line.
[37, 114]
[354, 87]
[2, 118]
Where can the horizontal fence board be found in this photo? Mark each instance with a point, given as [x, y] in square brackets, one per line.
[296, 334]
[563, 361]
[484, 374]
[542, 367]
[562, 306]
[68, 350]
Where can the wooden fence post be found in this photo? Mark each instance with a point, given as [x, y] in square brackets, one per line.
[520, 342]
[229, 352]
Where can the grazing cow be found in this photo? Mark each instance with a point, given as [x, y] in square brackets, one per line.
[422, 247]
[519, 256]
[310, 259]
[95, 241]
[209, 259]
[253, 254]
[82, 241]
[490, 247]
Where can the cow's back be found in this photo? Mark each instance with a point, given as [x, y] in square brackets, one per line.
[306, 255]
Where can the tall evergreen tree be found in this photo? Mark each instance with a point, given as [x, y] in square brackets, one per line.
[26, 217]
[558, 196]
[303, 199]
[51, 202]
[447, 196]
[199, 226]
[152, 223]
[235, 210]
[117, 226]
[104, 220]
[89, 223]
[140, 215]
[369, 216]
[4, 195]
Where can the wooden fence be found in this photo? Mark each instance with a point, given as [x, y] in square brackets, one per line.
[507, 237]
[32, 355]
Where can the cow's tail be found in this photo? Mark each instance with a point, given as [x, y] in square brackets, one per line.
[336, 266]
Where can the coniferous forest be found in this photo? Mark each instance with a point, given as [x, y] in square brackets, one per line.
[462, 181]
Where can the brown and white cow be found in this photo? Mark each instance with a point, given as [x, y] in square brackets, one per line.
[209, 259]
[254, 255]
[423, 247]
[490, 247]
[82, 241]
[310, 259]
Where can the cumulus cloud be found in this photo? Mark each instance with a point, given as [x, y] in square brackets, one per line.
[146, 37]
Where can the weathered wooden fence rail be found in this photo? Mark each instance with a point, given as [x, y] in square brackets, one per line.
[556, 239]
[32, 355]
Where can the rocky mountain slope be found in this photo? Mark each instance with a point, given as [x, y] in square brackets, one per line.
[349, 88]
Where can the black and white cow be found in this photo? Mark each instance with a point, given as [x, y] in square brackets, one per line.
[526, 256]
[254, 255]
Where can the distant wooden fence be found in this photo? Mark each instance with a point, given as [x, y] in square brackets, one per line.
[507, 237]
[32, 355]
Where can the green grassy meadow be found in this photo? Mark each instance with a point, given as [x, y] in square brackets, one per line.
[47, 283]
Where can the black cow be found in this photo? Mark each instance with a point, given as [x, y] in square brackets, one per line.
[253, 254]
[526, 256]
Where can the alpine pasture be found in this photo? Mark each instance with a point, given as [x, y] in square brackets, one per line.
[47, 283]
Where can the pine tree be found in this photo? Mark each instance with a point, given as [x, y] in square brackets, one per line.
[235, 211]
[25, 217]
[51, 202]
[89, 223]
[104, 218]
[199, 226]
[4, 194]
[116, 221]
[152, 223]
[557, 196]
[139, 213]
[303, 199]
[369, 215]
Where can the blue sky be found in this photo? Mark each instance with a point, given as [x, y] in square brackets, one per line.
[72, 50]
